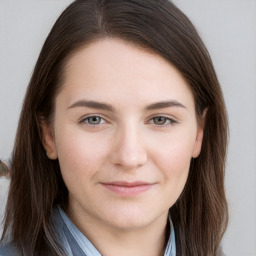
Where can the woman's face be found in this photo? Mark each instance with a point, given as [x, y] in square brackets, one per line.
[124, 132]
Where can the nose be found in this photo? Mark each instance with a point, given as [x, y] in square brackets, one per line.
[129, 151]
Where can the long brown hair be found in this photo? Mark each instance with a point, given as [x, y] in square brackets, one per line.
[200, 214]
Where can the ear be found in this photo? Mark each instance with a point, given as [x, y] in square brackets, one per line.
[47, 137]
[199, 135]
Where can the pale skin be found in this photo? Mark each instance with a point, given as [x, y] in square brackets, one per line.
[144, 129]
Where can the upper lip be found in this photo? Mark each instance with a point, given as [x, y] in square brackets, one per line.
[127, 184]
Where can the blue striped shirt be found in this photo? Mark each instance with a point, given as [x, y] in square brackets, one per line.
[74, 243]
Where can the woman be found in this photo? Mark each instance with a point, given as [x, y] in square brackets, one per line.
[121, 143]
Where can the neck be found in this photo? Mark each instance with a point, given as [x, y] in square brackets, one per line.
[131, 243]
[111, 241]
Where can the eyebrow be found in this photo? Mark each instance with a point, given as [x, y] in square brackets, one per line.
[93, 104]
[110, 108]
[165, 104]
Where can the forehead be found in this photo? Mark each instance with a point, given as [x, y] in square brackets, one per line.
[112, 68]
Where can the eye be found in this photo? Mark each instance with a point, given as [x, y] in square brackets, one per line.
[162, 121]
[93, 120]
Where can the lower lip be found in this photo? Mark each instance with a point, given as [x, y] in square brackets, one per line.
[128, 190]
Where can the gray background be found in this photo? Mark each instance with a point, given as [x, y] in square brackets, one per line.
[228, 27]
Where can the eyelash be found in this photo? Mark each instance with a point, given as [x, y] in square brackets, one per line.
[85, 120]
[168, 121]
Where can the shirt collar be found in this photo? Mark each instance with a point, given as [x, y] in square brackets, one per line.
[79, 239]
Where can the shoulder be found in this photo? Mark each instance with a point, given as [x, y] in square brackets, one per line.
[8, 249]
[8, 246]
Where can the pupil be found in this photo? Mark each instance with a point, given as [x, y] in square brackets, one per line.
[159, 120]
[94, 120]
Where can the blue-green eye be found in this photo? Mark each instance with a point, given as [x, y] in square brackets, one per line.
[93, 120]
[163, 121]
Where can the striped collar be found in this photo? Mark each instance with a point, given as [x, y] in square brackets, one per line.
[75, 243]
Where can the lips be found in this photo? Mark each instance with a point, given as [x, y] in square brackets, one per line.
[128, 188]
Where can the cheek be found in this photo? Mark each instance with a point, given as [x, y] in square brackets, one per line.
[174, 151]
[173, 159]
[80, 155]
[175, 168]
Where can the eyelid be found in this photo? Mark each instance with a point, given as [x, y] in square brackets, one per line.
[172, 120]
[84, 118]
